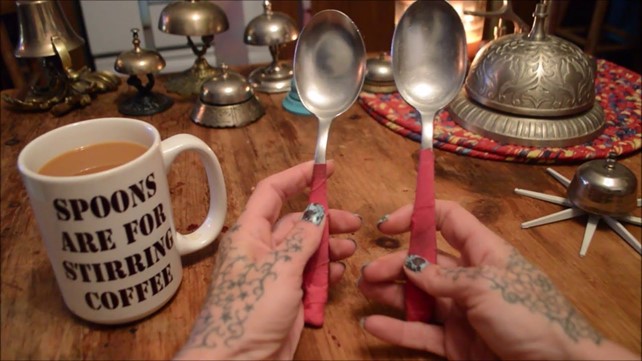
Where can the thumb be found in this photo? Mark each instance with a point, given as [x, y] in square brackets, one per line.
[305, 238]
[458, 283]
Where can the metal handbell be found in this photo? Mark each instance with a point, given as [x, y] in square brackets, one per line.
[40, 21]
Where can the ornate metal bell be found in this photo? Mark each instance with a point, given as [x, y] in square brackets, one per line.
[39, 22]
[273, 29]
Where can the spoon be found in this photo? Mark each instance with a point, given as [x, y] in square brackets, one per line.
[329, 70]
[429, 66]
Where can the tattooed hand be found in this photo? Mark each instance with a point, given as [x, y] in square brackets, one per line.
[491, 302]
[254, 308]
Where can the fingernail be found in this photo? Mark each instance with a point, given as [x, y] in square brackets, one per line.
[364, 266]
[314, 213]
[415, 263]
[381, 220]
[362, 322]
[358, 215]
[355, 243]
[361, 273]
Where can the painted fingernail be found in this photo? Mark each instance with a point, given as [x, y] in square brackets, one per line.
[362, 322]
[381, 220]
[415, 263]
[314, 213]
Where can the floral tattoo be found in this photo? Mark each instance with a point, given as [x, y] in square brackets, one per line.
[522, 283]
[238, 284]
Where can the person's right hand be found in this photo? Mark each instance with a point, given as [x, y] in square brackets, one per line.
[491, 302]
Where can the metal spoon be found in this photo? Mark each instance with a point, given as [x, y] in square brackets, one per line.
[429, 66]
[329, 70]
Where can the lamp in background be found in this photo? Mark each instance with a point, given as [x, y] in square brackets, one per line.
[45, 34]
[473, 25]
[193, 18]
[272, 29]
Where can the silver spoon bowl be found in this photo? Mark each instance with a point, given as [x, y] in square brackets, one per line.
[329, 69]
[429, 59]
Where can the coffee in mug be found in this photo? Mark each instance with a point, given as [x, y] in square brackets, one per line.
[100, 195]
[92, 158]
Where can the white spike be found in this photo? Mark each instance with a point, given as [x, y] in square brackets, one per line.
[555, 217]
[558, 177]
[624, 233]
[544, 197]
[591, 225]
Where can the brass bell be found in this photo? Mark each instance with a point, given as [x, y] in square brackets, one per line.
[46, 35]
[141, 62]
[39, 21]
[193, 18]
[272, 29]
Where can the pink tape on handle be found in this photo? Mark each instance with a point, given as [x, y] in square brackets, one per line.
[317, 271]
[423, 236]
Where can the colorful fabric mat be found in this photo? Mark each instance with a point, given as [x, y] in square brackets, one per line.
[617, 91]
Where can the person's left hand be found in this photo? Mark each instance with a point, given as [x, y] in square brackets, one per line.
[254, 308]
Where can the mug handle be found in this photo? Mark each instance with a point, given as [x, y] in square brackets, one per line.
[210, 228]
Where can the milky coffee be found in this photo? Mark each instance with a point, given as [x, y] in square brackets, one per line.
[93, 158]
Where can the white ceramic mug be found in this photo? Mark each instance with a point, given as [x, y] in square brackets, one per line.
[110, 235]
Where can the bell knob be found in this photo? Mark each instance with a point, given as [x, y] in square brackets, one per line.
[138, 61]
[270, 28]
[193, 18]
[603, 187]
[39, 21]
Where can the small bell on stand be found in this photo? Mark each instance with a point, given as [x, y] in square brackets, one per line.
[141, 62]
[273, 29]
[193, 18]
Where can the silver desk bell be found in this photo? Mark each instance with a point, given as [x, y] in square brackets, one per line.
[226, 100]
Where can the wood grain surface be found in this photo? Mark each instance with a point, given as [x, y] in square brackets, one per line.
[375, 174]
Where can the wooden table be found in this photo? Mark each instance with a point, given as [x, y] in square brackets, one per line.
[375, 174]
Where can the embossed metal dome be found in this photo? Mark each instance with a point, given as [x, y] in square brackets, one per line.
[531, 89]
[533, 74]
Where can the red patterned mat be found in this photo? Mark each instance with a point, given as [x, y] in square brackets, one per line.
[617, 90]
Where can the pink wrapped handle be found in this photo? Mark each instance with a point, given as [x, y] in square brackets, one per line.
[317, 271]
[423, 236]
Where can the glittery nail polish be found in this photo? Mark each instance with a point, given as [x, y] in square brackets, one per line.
[381, 220]
[415, 263]
[314, 213]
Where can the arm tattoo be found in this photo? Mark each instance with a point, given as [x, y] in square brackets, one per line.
[238, 284]
[522, 283]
